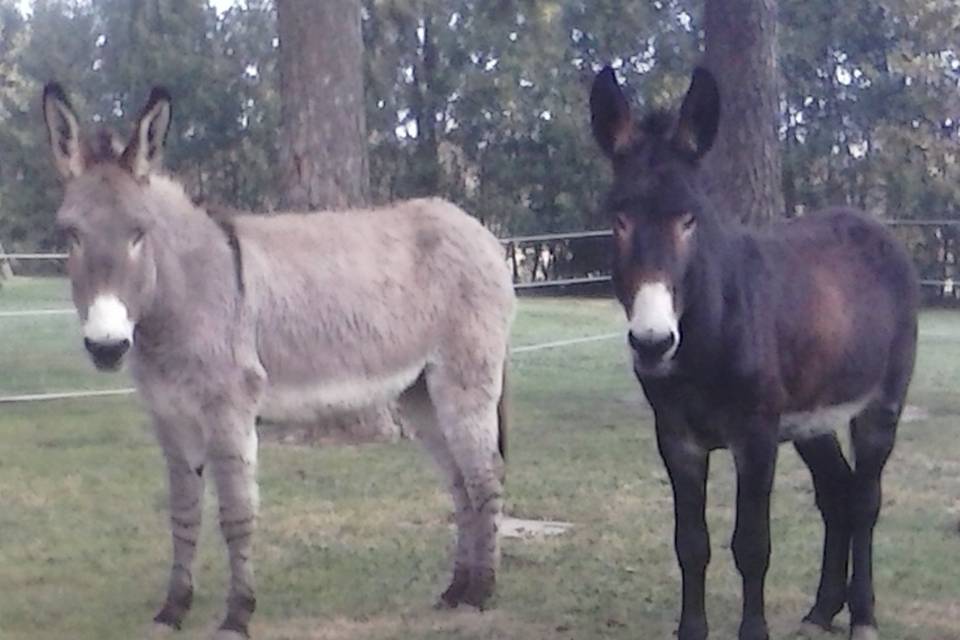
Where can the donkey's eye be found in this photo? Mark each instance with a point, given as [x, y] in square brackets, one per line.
[621, 224]
[73, 238]
[688, 222]
[137, 238]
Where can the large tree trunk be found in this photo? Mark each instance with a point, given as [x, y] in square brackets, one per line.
[323, 138]
[425, 109]
[744, 165]
[323, 142]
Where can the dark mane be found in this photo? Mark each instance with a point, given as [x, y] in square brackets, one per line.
[223, 216]
[658, 123]
[103, 146]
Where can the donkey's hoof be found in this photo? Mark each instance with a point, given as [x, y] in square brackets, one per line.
[696, 630]
[814, 625]
[480, 590]
[449, 599]
[453, 595]
[864, 632]
[819, 620]
[754, 629]
[175, 609]
[812, 630]
[159, 630]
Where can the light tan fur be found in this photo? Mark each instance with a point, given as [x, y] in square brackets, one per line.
[319, 313]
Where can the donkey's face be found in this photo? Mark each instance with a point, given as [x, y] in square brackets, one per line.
[107, 222]
[655, 209]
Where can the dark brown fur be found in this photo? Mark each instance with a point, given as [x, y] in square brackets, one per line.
[774, 327]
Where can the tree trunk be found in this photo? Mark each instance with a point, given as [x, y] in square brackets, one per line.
[425, 110]
[744, 165]
[323, 135]
[323, 143]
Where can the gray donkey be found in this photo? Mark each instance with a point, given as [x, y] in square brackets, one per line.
[284, 316]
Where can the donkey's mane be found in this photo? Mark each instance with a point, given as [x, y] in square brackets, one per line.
[657, 123]
[103, 146]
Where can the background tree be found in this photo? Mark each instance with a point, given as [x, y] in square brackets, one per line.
[323, 145]
[323, 148]
[868, 107]
[741, 50]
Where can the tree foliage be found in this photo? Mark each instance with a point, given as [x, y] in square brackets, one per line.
[485, 102]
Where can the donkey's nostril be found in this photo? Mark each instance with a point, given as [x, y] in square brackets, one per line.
[652, 347]
[106, 355]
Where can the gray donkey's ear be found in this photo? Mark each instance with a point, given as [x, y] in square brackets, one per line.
[63, 130]
[144, 152]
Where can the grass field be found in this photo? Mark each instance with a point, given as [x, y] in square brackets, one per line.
[353, 540]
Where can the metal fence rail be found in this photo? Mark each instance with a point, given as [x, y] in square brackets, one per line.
[34, 256]
[523, 244]
[69, 395]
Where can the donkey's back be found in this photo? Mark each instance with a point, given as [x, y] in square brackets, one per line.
[845, 296]
[351, 306]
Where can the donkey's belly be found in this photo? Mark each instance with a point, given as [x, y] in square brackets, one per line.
[801, 425]
[310, 399]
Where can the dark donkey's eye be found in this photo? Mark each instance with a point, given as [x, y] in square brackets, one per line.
[620, 222]
[688, 221]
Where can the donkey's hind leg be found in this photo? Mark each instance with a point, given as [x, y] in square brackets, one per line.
[873, 433]
[832, 479]
[184, 452]
[419, 411]
[466, 407]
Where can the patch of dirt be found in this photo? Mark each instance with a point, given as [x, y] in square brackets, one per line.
[913, 413]
[335, 431]
[518, 528]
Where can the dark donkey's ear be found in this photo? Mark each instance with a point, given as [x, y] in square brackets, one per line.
[699, 115]
[610, 113]
[63, 130]
[144, 152]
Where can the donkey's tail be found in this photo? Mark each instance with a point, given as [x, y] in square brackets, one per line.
[503, 408]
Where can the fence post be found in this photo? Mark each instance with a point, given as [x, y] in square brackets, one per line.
[6, 271]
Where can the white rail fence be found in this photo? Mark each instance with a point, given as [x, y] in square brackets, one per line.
[514, 253]
[507, 242]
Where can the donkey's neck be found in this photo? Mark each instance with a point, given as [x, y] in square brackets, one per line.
[727, 344]
[708, 307]
[194, 265]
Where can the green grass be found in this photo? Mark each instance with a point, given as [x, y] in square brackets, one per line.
[353, 540]
[44, 353]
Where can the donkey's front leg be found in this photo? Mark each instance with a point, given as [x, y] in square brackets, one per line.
[184, 452]
[755, 454]
[687, 465]
[233, 460]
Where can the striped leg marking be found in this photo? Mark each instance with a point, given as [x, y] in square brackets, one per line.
[186, 509]
[481, 469]
[234, 465]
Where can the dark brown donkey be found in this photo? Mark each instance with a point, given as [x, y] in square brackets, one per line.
[743, 339]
